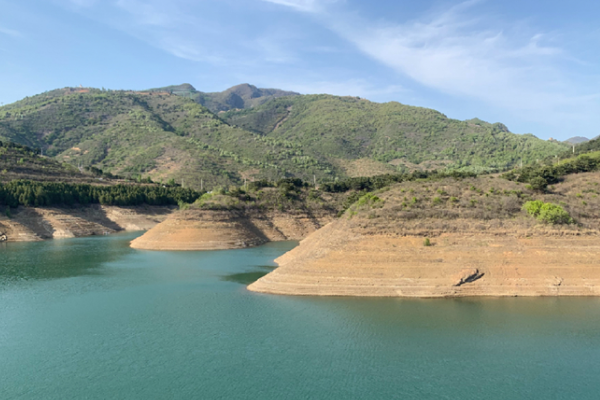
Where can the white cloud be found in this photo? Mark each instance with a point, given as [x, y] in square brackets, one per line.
[303, 5]
[10, 32]
[459, 55]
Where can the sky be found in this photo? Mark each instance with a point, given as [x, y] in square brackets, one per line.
[532, 65]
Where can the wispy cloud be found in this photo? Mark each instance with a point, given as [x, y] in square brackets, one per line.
[304, 5]
[457, 53]
[10, 32]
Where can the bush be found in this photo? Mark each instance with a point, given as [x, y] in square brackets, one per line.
[538, 184]
[426, 242]
[368, 199]
[548, 212]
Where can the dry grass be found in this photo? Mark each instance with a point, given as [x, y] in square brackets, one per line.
[484, 204]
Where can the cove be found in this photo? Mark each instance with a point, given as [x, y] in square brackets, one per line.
[92, 318]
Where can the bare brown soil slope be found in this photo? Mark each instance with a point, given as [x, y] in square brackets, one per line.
[33, 224]
[482, 244]
[217, 230]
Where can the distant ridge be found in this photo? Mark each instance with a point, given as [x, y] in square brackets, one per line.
[237, 97]
[577, 140]
[167, 134]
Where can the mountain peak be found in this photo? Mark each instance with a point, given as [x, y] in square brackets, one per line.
[577, 140]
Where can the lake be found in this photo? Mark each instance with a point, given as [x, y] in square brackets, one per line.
[90, 318]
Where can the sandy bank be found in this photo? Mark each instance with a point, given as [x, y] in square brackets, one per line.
[34, 224]
[218, 230]
[456, 265]
[483, 245]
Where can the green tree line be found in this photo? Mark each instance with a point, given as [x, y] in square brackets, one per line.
[35, 194]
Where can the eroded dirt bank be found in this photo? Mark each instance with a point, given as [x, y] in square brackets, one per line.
[336, 263]
[218, 230]
[34, 224]
[482, 244]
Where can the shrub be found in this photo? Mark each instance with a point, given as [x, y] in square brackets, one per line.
[538, 184]
[368, 199]
[437, 200]
[426, 242]
[547, 212]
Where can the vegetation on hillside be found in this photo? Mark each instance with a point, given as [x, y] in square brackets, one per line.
[540, 176]
[164, 136]
[157, 135]
[37, 194]
[331, 127]
[238, 97]
[481, 204]
[22, 162]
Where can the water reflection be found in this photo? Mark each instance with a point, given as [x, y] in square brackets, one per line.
[55, 259]
[246, 278]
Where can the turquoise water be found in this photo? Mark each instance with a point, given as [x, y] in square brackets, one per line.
[93, 319]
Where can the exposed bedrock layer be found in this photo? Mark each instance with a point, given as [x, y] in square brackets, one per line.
[219, 230]
[34, 224]
[338, 260]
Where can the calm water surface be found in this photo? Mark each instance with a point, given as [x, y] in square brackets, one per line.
[93, 319]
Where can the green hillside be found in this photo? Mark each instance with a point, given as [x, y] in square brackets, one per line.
[331, 127]
[238, 97]
[22, 162]
[144, 134]
[164, 135]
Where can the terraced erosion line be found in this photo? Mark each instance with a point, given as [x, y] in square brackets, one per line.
[35, 224]
[339, 261]
[231, 229]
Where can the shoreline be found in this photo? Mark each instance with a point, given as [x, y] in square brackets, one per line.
[200, 230]
[34, 224]
[456, 266]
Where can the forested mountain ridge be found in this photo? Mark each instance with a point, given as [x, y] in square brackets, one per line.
[352, 128]
[159, 135]
[165, 135]
[237, 97]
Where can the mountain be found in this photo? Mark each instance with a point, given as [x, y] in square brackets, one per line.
[22, 162]
[577, 140]
[159, 135]
[342, 130]
[164, 134]
[238, 97]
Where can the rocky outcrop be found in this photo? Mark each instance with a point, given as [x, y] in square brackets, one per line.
[34, 224]
[232, 229]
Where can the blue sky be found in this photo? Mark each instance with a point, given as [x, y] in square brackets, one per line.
[532, 65]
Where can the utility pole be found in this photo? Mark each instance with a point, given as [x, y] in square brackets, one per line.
[573, 149]
[201, 185]
[315, 180]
